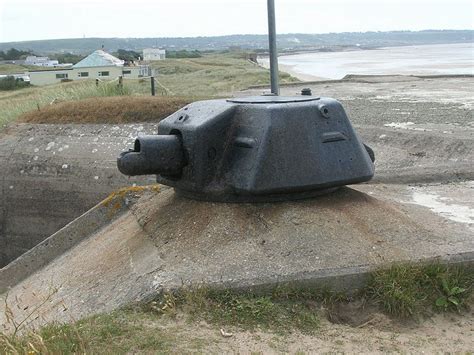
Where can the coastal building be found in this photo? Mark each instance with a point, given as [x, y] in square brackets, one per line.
[151, 54]
[98, 65]
[40, 61]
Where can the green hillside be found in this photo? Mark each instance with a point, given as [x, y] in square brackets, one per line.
[285, 41]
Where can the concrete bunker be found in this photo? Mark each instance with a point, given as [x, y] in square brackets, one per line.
[163, 239]
[51, 174]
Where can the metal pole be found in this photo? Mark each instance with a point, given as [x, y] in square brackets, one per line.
[152, 80]
[273, 47]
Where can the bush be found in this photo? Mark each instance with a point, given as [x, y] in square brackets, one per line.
[10, 83]
[13, 54]
[183, 54]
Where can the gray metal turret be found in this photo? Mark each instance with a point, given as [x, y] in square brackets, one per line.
[253, 149]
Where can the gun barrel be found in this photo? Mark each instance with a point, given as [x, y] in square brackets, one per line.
[153, 155]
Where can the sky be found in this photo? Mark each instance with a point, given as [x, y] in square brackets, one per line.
[22, 20]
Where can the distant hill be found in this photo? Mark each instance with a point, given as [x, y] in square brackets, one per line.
[293, 41]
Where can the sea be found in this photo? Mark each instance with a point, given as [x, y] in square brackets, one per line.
[407, 60]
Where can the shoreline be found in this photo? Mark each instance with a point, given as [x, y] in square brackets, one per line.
[357, 49]
[301, 76]
[289, 69]
[339, 63]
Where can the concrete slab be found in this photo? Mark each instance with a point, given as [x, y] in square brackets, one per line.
[165, 241]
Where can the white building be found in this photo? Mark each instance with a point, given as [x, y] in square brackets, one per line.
[41, 61]
[97, 65]
[150, 54]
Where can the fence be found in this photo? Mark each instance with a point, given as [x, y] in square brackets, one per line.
[163, 90]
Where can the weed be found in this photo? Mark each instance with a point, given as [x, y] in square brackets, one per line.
[244, 310]
[411, 290]
[451, 298]
[453, 288]
[165, 305]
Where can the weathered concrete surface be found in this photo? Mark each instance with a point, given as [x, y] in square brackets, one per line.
[165, 241]
[67, 237]
[421, 130]
[416, 156]
[418, 207]
[51, 174]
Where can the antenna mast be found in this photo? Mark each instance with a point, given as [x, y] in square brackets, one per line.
[273, 47]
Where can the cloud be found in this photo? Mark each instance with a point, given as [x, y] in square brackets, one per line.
[47, 19]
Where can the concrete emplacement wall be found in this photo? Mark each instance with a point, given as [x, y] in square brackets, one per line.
[51, 174]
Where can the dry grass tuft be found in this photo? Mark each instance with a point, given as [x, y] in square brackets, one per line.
[122, 109]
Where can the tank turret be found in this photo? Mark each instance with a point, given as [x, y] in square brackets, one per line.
[263, 148]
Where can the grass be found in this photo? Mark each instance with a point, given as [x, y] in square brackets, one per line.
[278, 311]
[400, 290]
[412, 290]
[15, 68]
[108, 110]
[118, 332]
[155, 327]
[15, 103]
[210, 75]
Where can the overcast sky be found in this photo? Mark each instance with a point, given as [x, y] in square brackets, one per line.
[22, 20]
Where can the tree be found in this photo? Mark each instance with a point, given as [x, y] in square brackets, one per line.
[67, 57]
[14, 54]
[128, 55]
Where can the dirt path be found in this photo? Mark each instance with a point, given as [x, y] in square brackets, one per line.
[440, 333]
